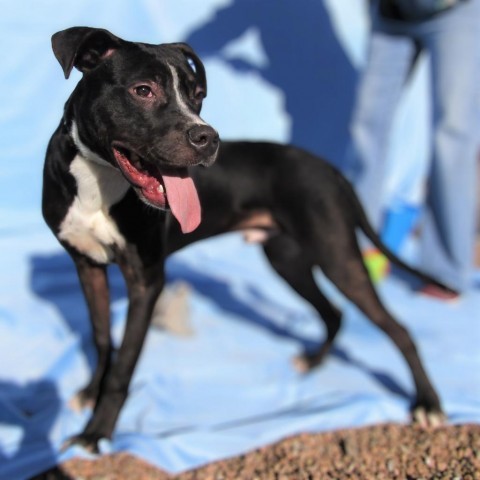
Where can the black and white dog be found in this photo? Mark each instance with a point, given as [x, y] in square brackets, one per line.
[125, 181]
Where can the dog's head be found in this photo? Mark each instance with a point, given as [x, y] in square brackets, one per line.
[137, 107]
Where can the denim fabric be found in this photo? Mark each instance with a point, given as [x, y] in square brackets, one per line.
[452, 43]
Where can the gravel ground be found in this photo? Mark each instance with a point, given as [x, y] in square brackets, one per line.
[377, 452]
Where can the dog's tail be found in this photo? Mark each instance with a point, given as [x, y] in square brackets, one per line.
[364, 224]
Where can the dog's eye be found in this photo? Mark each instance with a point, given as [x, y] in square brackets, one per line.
[143, 91]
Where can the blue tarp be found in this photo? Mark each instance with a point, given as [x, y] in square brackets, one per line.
[230, 386]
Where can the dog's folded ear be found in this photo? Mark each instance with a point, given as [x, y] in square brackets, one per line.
[197, 66]
[83, 47]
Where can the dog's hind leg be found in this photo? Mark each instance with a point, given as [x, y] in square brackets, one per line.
[93, 279]
[286, 257]
[345, 268]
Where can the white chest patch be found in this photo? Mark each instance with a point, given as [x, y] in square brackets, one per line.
[88, 226]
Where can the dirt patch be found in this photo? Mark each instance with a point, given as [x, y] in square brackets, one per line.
[378, 452]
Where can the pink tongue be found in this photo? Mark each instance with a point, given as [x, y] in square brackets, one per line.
[183, 201]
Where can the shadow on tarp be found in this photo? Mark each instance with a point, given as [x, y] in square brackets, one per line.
[30, 411]
[305, 60]
[221, 293]
[54, 278]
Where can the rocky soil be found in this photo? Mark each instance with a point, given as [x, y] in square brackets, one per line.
[377, 452]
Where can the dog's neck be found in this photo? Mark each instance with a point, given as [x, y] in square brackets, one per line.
[84, 150]
[99, 184]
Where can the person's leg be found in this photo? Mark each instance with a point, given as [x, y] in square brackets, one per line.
[388, 66]
[408, 161]
[389, 63]
[448, 230]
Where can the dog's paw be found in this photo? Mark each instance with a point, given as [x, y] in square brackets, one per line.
[428, 418]
[301, 364]
[83, 399]
[88, 441]
[304, 363]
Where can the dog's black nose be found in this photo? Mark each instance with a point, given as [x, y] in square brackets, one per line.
[203, 138]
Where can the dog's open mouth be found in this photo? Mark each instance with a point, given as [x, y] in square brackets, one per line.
[172, 188]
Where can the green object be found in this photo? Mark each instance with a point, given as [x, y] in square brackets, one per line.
[377, 265]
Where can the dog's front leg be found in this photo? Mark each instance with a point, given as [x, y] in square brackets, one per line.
[144, 284]
[93, 279]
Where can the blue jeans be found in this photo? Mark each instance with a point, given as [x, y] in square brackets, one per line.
[452, 41]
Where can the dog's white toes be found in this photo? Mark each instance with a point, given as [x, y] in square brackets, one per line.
[301, 364]
[419, 417]
[79, 402]
[425, 419]
[436, 419]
